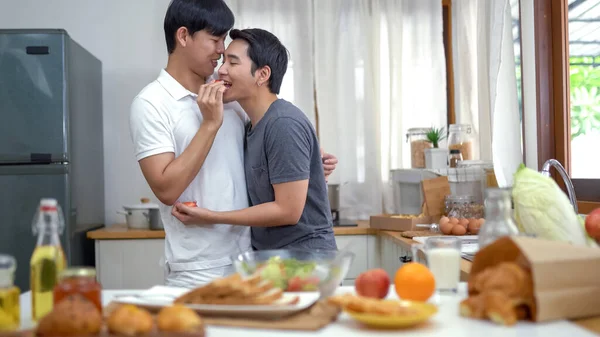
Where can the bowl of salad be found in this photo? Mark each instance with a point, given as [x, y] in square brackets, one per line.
[295, 270]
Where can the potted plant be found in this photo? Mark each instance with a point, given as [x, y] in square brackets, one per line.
[436, 158]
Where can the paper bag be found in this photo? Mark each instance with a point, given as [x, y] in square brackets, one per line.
[566, 277]
[434, 192]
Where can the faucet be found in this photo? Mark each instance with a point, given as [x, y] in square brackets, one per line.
[563, 173]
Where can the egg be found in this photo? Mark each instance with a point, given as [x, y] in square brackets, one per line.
[453, 220]
[459, 230]
[473, 226]
[463, 222]
[481, 222]
[444, 220]
[446, 228]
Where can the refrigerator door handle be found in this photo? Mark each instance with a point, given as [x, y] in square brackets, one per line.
[18, 170]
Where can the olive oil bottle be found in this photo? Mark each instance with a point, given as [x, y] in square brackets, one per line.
[48, 258]
[9, 295]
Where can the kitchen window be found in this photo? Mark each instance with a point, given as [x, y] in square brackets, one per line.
[568, 95]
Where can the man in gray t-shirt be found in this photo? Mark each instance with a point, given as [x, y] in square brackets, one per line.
[284, 172]
[283, 147]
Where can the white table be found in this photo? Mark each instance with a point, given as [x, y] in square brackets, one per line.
[445, 323]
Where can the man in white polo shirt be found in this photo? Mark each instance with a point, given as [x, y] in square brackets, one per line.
[190, 147]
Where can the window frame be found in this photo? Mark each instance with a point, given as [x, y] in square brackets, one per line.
[552, 92]
[447, 32]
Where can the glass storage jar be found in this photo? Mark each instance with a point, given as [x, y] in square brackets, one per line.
[418, 143]
[460, 138]
[10, 312]
[79, 280]
[463, 207]
[455, 158]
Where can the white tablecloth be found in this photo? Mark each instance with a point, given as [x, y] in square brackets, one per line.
[446, 323]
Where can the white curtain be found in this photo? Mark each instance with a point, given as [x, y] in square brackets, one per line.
[380, 71]
[291, 22]
[485, 81]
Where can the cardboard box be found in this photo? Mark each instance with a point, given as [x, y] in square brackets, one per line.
[566, 277]
[394, 222]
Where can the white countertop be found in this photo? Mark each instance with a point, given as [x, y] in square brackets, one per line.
[446, 323]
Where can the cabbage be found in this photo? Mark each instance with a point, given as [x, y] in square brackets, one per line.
[543, 209]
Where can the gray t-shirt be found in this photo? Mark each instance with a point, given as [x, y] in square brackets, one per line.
[283, 147]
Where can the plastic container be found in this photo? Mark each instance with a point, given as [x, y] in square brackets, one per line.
[407, 190]
[418, 143]
[460, 138]
[476, 173]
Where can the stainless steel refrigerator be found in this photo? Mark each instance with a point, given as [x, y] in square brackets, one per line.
[50, 141]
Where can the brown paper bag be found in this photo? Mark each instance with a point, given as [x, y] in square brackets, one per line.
[434, 192]
[566, 278]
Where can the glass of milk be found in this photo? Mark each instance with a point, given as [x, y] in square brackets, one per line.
[443, 260]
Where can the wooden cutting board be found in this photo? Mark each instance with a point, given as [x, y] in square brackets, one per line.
[313, 318]
[412, 234]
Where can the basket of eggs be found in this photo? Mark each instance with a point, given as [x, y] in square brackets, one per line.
[460, 226]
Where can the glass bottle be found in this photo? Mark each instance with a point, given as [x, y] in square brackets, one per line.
[48, 258]
[498, 216]
[9, 295]
[459, 138]
[418, 143]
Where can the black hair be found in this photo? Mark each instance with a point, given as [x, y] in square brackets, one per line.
[211, 15]
[265, 49]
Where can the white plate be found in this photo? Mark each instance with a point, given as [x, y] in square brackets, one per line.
[161, 296]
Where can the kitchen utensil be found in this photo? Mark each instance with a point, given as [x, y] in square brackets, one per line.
[138, 216]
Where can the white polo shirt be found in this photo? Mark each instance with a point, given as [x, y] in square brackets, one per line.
[164, 118]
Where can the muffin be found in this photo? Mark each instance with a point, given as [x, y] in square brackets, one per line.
[74, 315]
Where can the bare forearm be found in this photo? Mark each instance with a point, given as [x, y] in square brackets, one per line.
[269, 214]
[178, 175]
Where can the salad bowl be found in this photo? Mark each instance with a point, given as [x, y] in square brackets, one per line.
[295, 270]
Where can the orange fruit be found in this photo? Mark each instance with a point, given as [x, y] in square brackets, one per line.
[415, 282]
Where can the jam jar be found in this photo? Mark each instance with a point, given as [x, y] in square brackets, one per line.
[79, 280]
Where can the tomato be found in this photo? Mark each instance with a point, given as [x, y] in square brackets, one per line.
[592, 224]
[190, 204]
[295, 284]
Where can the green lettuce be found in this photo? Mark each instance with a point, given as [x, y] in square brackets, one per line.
[543, 209]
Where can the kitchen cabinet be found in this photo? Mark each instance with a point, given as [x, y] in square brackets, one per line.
[139, 263]
[130, 264]
[393, 255]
